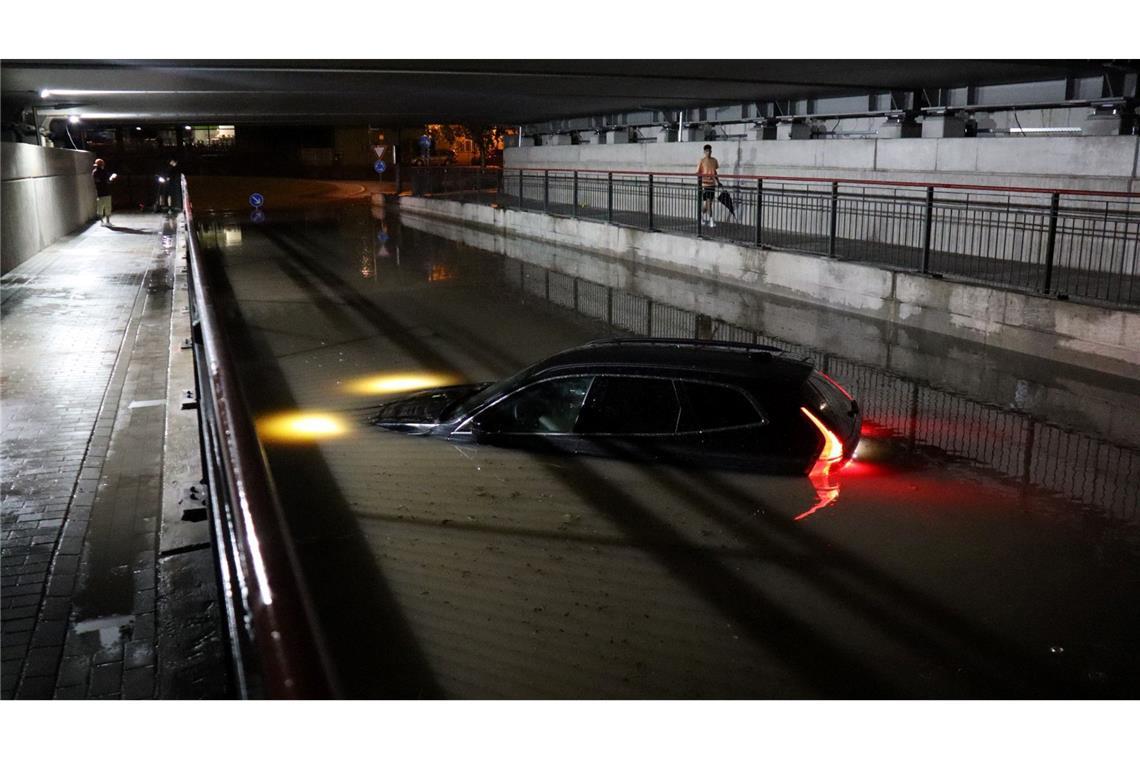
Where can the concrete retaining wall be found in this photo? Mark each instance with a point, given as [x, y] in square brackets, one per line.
[46, 194]
[1102, 339]
[1076, 163]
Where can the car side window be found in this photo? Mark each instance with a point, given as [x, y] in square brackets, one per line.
[630, 406]
[717, 407]
[550, 406]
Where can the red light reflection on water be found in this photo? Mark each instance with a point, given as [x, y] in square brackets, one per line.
[858, 468]
[824, 478]
[826, 491]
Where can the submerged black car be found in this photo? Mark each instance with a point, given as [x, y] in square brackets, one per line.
[711, 403]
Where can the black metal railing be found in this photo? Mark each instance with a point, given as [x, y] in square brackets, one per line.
[276, 648]
[1064, 243]
[1011, 444]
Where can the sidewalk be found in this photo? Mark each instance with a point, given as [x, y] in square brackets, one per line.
[86, 328]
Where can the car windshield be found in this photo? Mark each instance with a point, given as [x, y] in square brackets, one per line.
[471, 403]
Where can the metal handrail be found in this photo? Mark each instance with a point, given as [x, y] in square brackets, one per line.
[829, 180]
[1068, 243]
[821, 180]
[275, 642]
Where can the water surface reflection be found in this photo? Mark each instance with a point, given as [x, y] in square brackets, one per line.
[981, 545]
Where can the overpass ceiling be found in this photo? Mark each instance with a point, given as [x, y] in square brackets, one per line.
[496, 91]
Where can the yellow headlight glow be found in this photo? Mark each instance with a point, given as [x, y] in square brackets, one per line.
[400, 382]
[300, 427]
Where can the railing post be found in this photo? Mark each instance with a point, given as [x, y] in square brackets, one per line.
[834, 219]
[650, 202]
[700, 191]
[610, 197]
[649, 317]
[522, 193]
[609, 306]
[545, 191]
[759, 212]
[1051, 243]
[479, 184]
[574, 212]
[927, 226]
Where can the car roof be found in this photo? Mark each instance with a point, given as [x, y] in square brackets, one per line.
[740, 360]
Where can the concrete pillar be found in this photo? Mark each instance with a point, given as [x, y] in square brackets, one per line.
[526, 142]
[617, 137]
[943, 126]
[793, 130]
[558, 140]
[762, 131]
[1102, 124]
[899, 128]
[666, 134]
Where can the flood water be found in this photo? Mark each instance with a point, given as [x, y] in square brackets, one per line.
[983, 544]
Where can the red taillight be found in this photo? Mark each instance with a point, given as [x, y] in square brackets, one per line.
[832, 447]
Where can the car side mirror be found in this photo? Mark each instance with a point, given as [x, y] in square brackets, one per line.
[482, 426]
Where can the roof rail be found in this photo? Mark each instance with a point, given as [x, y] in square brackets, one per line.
[693, 342]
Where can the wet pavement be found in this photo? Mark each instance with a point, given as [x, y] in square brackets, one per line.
[984, 544]
[87, 327]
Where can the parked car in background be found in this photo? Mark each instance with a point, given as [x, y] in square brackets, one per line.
[437, 157]
[706, 403]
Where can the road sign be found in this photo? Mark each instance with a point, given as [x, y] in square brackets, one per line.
[257, 216]
[425, 141]
[382, 236]
[380, 167]
[256, 200]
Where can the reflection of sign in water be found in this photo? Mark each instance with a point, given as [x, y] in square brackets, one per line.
[256, 200]
[380, 166]
[257, 217]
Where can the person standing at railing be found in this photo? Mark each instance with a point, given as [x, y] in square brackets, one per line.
[706, 170]
[103, 180]
[167, 192]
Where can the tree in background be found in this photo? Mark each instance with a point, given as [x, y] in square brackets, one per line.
[487, 138]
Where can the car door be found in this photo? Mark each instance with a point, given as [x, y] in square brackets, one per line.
[634, 416]
[733, 429]
[539, 416]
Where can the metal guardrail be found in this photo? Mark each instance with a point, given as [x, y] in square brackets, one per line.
[1064, 243]
[275, 644]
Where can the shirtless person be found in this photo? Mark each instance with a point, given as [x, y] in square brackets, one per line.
[706, 170]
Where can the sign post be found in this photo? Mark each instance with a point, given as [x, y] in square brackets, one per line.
[257, 200]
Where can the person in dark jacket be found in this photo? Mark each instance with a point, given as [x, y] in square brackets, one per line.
[169, 188]
[103, 180]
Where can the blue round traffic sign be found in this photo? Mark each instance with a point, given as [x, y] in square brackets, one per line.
[380, 167]
[256, 200]
[425, 140]
[382, 237]
[257, 216]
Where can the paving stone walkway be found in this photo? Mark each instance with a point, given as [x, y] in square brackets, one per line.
[85, 338]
